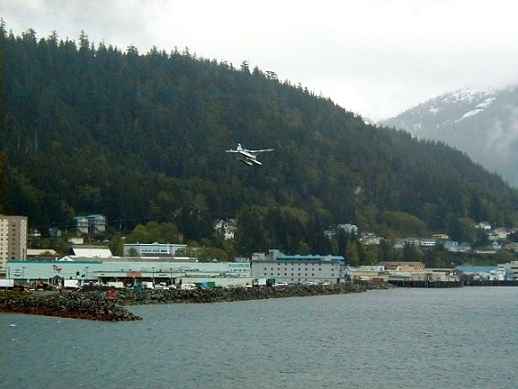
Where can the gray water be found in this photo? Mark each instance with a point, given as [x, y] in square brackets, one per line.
[402, 338]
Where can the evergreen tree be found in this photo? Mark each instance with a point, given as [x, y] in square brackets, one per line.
[140, 137]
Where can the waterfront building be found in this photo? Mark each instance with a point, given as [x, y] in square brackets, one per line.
[427, 275]
[403, 266]
[514, 270]
[13, 239]
[482, 273]
[130, 270]
[297, 269]
[153, 249]
[504, 271]
[369, 273]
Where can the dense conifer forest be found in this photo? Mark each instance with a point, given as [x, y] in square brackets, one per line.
[138, 137]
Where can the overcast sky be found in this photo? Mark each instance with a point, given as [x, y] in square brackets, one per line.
[374, 57]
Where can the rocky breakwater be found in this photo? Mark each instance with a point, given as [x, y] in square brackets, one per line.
[233, 294]
[90, 306]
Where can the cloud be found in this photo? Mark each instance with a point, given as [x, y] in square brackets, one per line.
[376, 57]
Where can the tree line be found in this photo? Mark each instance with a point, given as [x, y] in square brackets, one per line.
[140, 137]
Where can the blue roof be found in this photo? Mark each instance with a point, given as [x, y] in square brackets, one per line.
[309, 258]
[475, 269]
[55, 262]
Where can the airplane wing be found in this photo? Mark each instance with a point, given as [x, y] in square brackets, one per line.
[231, 151]
[260, 151]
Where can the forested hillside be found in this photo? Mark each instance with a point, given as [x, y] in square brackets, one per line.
[142, 137]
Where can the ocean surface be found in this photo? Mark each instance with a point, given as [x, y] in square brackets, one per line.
[401, 338]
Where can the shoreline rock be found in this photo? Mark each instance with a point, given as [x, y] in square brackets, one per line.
[75, 305]
[104, 305]
[203, 296]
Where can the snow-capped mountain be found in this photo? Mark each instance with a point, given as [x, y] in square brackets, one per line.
[483, 123]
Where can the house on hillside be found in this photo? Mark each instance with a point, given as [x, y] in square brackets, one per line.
[91, 224]
[348, 229]
[227, 228]
[484, 226]
[370, 239]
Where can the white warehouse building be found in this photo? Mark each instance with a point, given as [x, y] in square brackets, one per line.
[153, 249]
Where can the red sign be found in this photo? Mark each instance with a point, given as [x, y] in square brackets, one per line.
[111, 294]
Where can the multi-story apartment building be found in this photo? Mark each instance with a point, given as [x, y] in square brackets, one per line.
[4, 240]
[299, 269]
[13, 239]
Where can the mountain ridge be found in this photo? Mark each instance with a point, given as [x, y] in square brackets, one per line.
[483, 123]
[142, 137]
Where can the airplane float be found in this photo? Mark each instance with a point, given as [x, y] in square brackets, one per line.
[248, 157]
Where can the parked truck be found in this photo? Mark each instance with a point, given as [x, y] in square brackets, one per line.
[71, 284]
[5, 283]
[116, 284]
